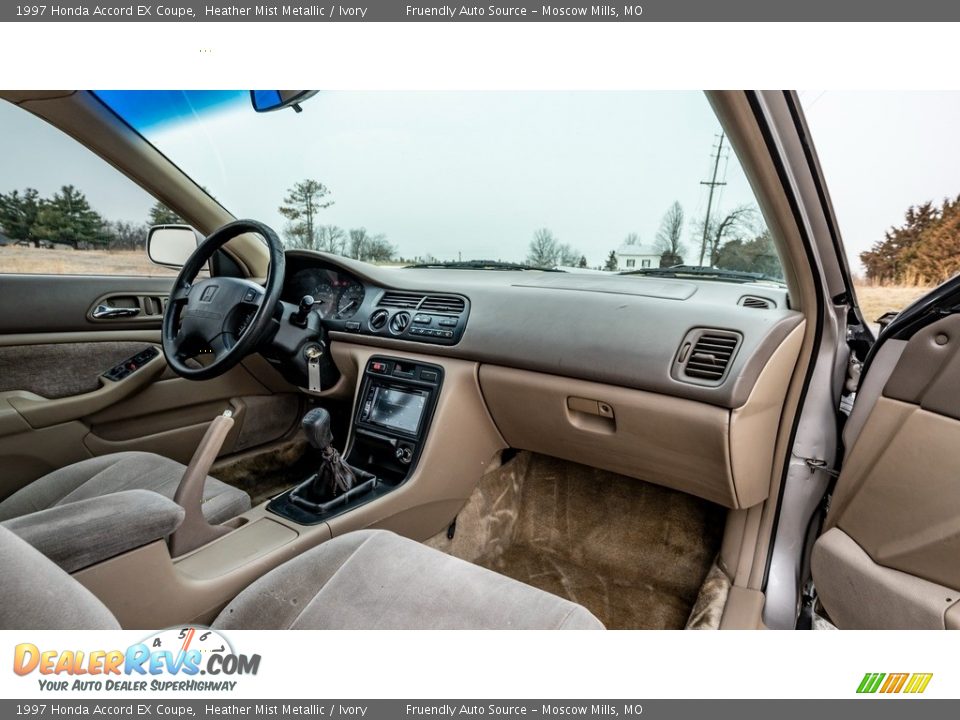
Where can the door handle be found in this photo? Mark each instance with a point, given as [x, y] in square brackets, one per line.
[106, 311]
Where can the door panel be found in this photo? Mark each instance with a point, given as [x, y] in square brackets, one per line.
[891, 555]
[57, 408]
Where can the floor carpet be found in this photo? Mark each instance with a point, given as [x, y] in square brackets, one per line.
[633, 553]
[267, 472]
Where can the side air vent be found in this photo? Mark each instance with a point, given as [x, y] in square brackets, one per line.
[758, 303]
[443, 304]
[397, 299]
[706, 355]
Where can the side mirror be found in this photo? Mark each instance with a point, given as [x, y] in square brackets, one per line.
[171, 245]
[270, 100]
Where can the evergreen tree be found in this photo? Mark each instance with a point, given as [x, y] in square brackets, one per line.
[611, 263]
[18, 215]
[68, 218]
[160, 214]
[301, 205]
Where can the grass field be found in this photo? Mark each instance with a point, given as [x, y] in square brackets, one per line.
[876, 300]
[78, 262]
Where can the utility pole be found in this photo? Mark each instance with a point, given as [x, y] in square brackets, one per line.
[712, 184]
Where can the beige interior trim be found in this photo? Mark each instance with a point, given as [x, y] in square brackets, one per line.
[721, 455]
[736, 115]
[754, 426]
[743, 610]
[463, 445]
[41, 412]
[146, 589]
[898, 496]
[860, 594]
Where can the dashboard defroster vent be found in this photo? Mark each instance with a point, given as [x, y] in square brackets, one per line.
[398, 299]
[443, 304]
[706, 355]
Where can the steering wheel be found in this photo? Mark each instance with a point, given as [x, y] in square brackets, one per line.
[225, 316]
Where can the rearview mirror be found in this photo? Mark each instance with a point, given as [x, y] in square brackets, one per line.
[171, 245]
[270, 100]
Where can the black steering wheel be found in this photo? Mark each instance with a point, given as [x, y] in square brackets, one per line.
[223, 316]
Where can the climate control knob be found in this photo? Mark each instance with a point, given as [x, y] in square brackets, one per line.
[378, 319]
[399, 322]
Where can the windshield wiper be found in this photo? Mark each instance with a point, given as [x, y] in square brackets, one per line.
[695, 271]
[481, 265]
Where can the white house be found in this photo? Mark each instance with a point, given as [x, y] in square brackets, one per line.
[637, 257]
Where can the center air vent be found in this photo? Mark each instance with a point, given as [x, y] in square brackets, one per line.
[706, 355]
[399, 322]
[443, 304]
[397, 299]
[758, 303]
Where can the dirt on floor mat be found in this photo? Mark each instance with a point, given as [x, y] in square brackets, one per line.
[267, 472]
[633, 553]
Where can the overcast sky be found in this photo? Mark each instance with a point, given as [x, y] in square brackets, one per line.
[478, 173]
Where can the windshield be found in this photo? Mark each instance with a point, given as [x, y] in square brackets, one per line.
[601, 182]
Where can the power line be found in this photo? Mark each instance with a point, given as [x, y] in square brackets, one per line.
[712, 183]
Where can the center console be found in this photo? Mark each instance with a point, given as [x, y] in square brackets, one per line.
[391, 421]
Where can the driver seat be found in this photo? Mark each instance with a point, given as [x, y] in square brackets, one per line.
[115, 473]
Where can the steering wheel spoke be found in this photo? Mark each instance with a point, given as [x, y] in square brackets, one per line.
[225, 314]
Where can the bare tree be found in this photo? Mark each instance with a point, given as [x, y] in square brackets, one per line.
[367, 247]
[567, 256]
[668, 241]
[632, 239]
[544, 249]
[331, 238]
[733, 226]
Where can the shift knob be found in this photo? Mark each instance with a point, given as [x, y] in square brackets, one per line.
[316, 425]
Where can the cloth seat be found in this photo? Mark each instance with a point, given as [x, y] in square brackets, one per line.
[370, 579]
[107, 474]
[374, 579]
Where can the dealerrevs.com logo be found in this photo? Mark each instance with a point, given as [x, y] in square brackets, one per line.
[893, 683]
[178, 659]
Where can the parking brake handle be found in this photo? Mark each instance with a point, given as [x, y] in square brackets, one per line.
[195, 531]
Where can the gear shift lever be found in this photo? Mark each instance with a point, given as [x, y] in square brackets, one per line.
[334, 477]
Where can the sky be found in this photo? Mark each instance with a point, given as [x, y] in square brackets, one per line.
[476, 173]
[882, 152]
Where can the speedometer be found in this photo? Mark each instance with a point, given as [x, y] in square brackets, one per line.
[351, 297]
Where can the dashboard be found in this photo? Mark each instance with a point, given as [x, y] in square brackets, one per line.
[648, 334]
[337, 295]
[346, 303]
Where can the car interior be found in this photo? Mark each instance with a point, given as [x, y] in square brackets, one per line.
[281, 438]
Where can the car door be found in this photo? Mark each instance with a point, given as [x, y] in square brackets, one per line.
[889, 554]
[81, 371]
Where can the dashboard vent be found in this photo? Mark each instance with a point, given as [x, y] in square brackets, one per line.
[443, 304]
[711, 355]
[397, 299]
[758, 303]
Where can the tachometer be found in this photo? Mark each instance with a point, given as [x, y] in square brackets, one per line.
[351, 297]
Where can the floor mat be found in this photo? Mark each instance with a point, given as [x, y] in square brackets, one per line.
[633, 553]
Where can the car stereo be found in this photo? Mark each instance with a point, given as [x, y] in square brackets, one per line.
[394, 408]
[397, 398]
